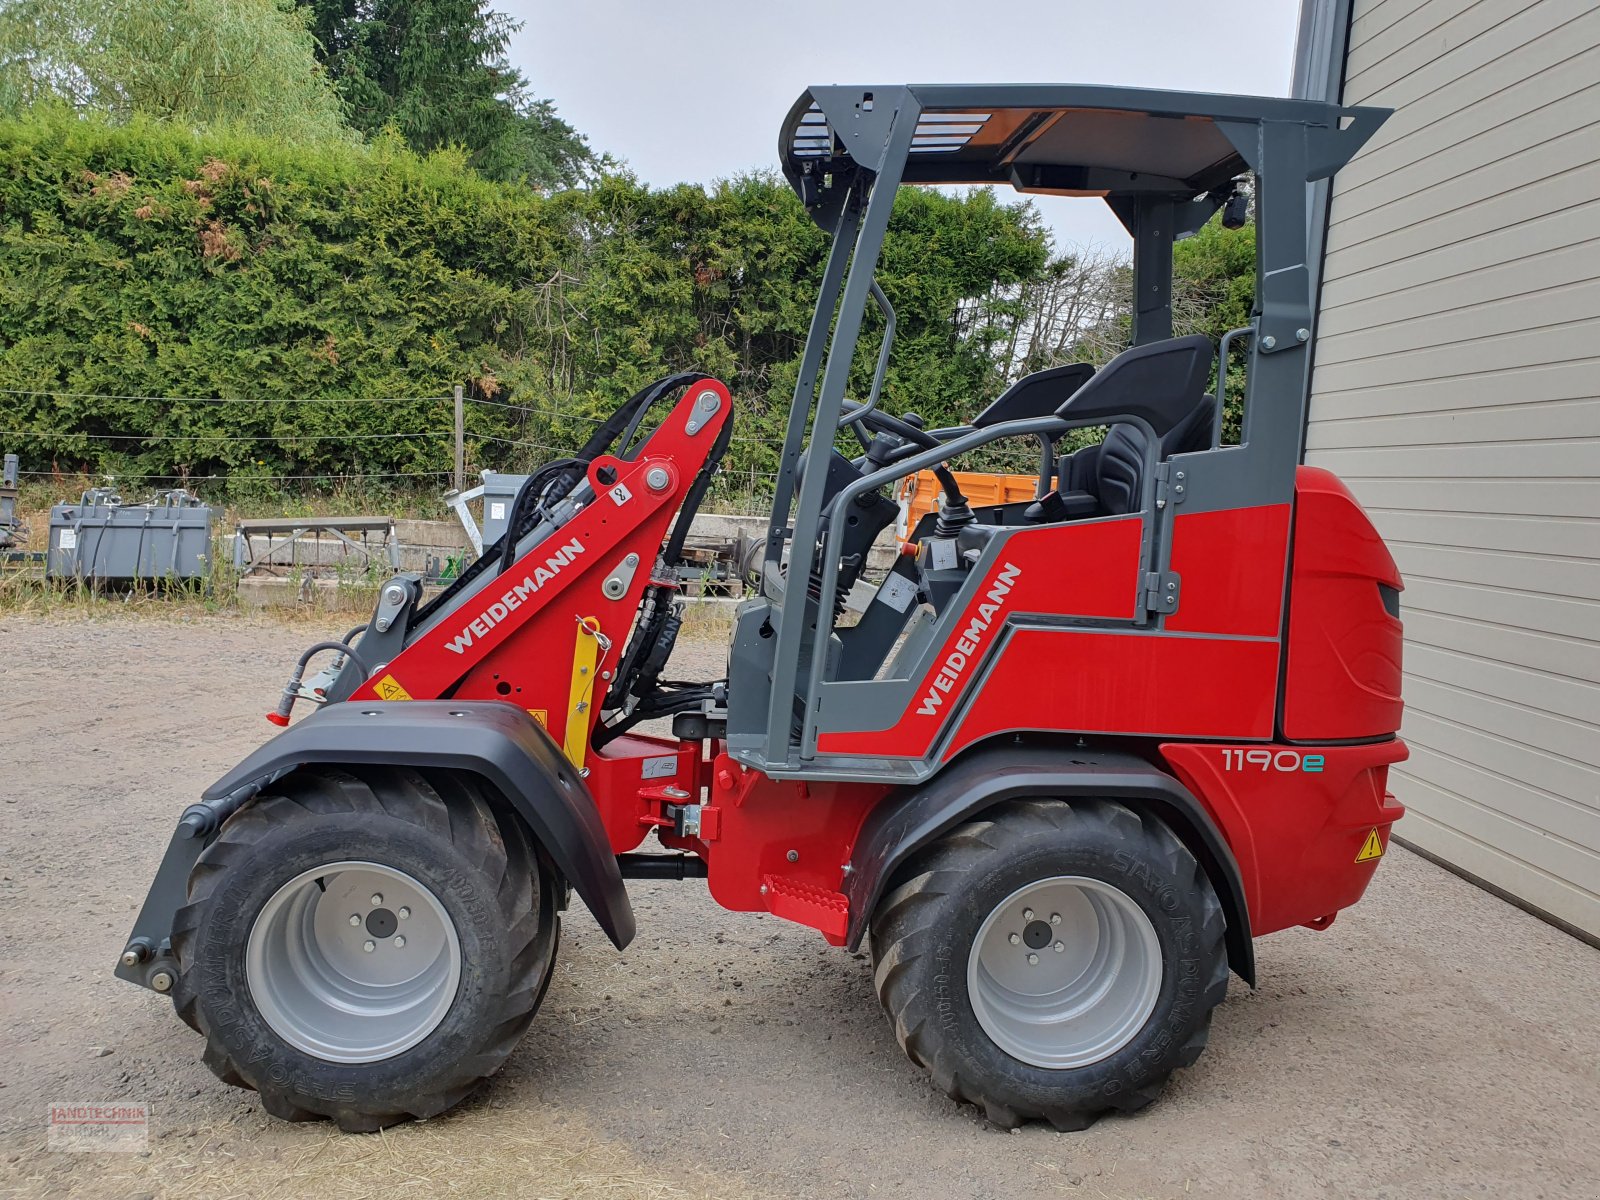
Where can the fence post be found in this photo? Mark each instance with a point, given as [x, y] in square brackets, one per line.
[461, 461]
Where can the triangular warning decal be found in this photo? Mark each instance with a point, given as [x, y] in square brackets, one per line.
[1371, 848]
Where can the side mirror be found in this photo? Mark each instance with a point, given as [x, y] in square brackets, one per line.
[1236, 211]
[810, 190]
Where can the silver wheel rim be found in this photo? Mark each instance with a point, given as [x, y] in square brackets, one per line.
[1064, 972]
[353, 962]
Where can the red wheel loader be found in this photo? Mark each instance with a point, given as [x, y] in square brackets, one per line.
[1058, 766]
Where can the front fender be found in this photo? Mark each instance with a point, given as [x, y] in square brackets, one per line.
[498, 742]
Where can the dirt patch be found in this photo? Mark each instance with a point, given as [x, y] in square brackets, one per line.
[1434, 1042]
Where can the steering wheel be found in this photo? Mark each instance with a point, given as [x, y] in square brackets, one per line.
[858, 415]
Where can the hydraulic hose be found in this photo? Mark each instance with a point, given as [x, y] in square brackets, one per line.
[291, 690]
[529, 494]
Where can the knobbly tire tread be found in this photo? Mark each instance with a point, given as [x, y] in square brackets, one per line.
[907, 926]
[453, 811]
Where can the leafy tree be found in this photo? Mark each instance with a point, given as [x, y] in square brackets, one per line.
[437, 71]
[1214, 290]
[145, 261]
[248, 63]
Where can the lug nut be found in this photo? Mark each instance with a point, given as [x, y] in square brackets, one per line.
[1060, 946]
[1027, 914]
[355, 919]
[1055, 918]
[404, 913]
[161, 981]
[369, 946]
[399, 943]
[377, 899]
[1033, 960]
[1015, 939]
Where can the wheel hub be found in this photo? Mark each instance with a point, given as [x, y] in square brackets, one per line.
[353, 962]
[1037, 935]
[1064, 972]
[382, 923]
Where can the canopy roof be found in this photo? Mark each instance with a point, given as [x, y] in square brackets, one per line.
[1056, 138]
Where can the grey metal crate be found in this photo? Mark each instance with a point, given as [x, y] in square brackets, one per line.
[497, 491]
[100, 539]
[8, 501]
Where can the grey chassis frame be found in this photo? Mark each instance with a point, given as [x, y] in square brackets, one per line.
[846, 150]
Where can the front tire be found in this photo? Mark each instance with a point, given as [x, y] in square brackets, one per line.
[365, 949]
[1052, 961]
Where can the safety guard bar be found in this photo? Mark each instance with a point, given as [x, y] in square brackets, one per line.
[1051, 427]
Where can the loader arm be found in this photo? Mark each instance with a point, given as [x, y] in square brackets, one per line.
[546, 633]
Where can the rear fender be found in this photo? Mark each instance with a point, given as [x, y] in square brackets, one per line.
[903, 824]
[500, 743]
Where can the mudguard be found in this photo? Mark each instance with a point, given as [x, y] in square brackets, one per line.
[497, 741]
[905, 823]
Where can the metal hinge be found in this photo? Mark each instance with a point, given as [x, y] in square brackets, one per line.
[1171, 486]
[1162, 591]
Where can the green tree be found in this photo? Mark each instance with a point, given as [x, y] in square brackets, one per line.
[142, 261]
[245, 63]
[437, 71]
[1214, 290]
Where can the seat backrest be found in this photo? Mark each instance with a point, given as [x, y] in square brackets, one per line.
[1036, 395]
[1161, 382]
[1193, 432]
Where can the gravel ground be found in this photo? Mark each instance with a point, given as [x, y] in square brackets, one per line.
[1435, 1042]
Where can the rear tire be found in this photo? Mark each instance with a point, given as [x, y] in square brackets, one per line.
[965, 961]
[275, 973]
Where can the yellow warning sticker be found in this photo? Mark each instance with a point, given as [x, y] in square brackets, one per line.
[541, 715]
[1371, 848]
[388, 688]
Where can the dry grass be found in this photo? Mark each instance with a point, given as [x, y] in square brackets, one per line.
[707, 622]
[24, 591]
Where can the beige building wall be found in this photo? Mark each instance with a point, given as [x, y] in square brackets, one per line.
[1457, 391]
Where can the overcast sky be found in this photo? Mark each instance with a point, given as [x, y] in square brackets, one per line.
[694, 90]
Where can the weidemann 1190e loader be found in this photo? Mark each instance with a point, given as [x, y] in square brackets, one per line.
[1073, 755]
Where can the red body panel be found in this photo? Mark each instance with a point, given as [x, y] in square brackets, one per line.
[1084, 570]
[1134, 682]
[1231, 564]
[630, 801]
[759, 822]
[1296, 833]
[1344, 647]
[1125, 683]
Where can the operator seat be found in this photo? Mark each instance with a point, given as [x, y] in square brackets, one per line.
[1161, 382]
